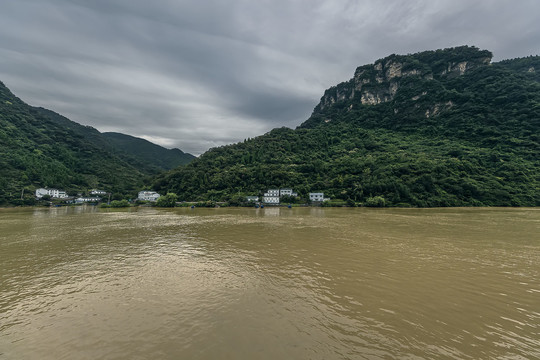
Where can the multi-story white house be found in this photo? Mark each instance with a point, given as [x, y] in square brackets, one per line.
[148, 195]
[272, 192]
[98, 192]
[317, 197]
[287, 192]
[271, 199]
[54, 193]
[271, 196]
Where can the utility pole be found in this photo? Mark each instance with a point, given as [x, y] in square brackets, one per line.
[22, 193]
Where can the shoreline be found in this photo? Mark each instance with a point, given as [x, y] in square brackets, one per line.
[265, 206]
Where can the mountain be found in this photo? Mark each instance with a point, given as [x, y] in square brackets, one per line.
[148, 152]
[136, 151]
[40, 148]
[436, 128]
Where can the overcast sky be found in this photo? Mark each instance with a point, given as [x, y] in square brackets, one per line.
[198, 74]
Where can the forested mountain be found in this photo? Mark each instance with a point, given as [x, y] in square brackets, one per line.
[437, 128]
[40, 148]
[148, 152]
[138, 152]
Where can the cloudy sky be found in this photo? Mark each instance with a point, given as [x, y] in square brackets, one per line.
[198, 74]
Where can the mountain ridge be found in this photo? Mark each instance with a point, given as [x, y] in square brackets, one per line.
[457, 130]
[379, 82]
[138, 151]
[40, 148]
[145, 150]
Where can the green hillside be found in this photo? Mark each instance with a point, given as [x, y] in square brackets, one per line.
[138, 152]
[39, 148]
[148, 152]
[437, 128]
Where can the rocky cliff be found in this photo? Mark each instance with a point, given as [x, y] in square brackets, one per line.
[437, 128]
[379, 82]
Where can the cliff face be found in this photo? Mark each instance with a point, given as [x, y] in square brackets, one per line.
[439, 128]
[379, 82]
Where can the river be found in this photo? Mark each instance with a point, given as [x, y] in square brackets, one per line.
[272, 283]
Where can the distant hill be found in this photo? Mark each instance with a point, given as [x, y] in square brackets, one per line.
[40, 148]
[136, 151]
[436, 128]
[148, 152]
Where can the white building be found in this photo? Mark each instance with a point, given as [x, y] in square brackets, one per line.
[98, 192]
[271, 199]
[272, 192]
[81, 200]
[317, 196]
[252, 198]
[148, 195]
[54, 193]
[287, 192]
[271, 196]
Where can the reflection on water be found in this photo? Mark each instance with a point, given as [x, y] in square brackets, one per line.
[302, 283]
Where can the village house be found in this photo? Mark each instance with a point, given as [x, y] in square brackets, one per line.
[317, 197]
[271, 199]
[252, 198]
[287, 192]
[98, 192]
[272, 192]
[271, 196]
[54, 193]
[148, 195]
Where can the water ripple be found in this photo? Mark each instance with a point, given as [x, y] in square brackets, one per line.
[277, 283]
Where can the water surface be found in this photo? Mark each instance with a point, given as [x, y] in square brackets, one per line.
[273, 283]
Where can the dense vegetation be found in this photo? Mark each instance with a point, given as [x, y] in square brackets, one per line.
[138, 152]
[39, 148]
[147, 152]
[442, 139]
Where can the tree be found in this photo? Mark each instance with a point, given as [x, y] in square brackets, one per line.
[287, 199]
[119, 203]
[168, 200]
[375, 201]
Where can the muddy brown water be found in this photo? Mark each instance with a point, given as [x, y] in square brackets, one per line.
[272, 283]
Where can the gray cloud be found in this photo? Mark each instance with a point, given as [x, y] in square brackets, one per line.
[200, 74]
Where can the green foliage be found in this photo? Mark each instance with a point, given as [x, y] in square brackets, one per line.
[207, 204]
[238, 200]
[287, 199]
[39, 148]
[469, 140]
[528, 66]
[168, 200]
[147, 152]
[119, 203]
[335, 203]
[375, 201]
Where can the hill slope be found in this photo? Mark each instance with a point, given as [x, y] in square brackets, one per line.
[138, 152]
[148, 152]
[437, 128]
[39, 148]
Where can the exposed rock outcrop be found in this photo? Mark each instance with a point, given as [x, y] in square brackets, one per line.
[379, 82]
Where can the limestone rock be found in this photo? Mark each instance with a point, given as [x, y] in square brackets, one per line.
[381, 81]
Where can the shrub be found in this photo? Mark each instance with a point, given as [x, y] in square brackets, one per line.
[168, 200]
[375, 201]
[119, 203]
